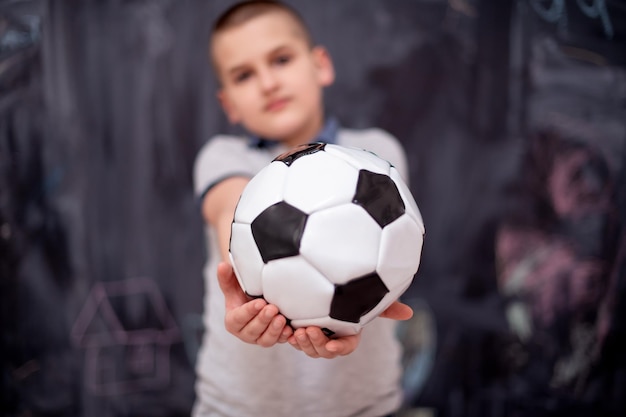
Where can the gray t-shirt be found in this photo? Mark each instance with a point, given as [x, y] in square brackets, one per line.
[236, 379]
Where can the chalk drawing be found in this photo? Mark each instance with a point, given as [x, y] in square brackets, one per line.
[555, 11]
[119, 358]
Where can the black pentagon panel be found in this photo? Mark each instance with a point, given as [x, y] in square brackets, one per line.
[328, 332]
[357, 297]
[289, 157]
[253, 295]
[379, 196]
[278, 230]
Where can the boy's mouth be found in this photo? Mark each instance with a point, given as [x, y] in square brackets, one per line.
[276, 105]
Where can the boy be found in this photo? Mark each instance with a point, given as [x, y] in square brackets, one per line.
[271, 80]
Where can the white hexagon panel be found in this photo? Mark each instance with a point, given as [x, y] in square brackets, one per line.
[342, 242]
[246, 259]
[412, 208]
[400, 251]
[297, 288]
[263, 190]
[333, 184]
[360, 158]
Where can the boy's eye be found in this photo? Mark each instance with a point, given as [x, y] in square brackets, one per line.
[282, 59]
[242, 76]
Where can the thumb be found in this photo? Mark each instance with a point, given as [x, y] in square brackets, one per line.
[229, 285]
[398, 311]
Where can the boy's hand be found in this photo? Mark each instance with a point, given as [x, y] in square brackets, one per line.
[316, 344]
[251, 320]
[254, 321]
[313, 342]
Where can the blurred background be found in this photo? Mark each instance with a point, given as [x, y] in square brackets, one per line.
[513, 115]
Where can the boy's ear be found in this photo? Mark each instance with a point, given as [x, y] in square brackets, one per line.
[229, 110]
[324, 64]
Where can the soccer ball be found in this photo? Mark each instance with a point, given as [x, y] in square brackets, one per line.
[329, 234]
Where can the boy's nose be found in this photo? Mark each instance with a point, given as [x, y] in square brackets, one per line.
[267, 80]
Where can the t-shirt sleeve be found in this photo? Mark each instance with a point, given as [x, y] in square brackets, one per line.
[220, 158]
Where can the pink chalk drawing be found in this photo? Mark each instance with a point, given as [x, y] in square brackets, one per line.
[127, 331]
[559, 253]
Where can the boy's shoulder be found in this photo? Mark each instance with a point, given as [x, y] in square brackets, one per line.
[223, 142]
[378, 141]
[222, 147]
[222, 156]
[354, 137]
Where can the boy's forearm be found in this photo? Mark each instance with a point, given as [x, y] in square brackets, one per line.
[218, 209]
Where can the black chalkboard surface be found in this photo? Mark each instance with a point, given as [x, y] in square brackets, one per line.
[513, 116]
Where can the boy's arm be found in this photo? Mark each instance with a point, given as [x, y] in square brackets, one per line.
[251, 320]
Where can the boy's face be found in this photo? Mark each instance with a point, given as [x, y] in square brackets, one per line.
[271, 79]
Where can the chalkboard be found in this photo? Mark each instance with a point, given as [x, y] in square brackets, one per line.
[509, 111]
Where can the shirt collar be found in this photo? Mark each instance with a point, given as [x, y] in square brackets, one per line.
[328, 134]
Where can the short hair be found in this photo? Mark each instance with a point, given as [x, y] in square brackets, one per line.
[243, 11]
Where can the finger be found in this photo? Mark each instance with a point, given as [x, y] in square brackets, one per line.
[318, 341]
[229, 285]
[238, 318]
[285, 334]
[304, 343]
[293, 341]
[260, 324]
[273, 332]
[343, 345]
[312, 341]
[316, 344]
[398, 311]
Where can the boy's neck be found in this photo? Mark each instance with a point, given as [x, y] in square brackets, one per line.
[327, 133]
[306, 135]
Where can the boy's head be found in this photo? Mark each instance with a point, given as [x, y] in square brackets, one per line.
[243, 11]
[271, 75]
